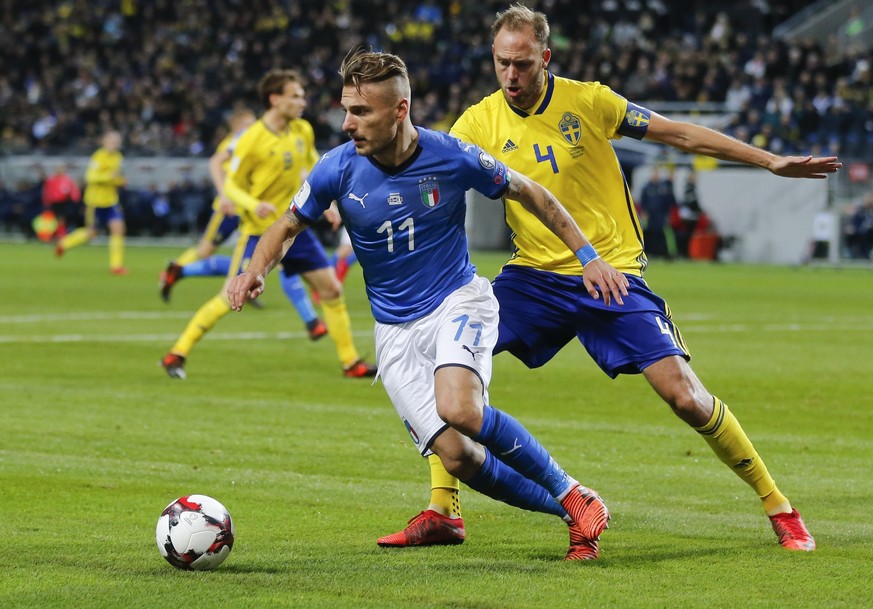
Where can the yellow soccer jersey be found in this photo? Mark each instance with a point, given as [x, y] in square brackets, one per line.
[226, 145]
[564, 144]
[270, 166]
[102, 179]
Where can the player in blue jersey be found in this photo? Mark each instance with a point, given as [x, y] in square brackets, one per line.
[558, 132]
[401, 193]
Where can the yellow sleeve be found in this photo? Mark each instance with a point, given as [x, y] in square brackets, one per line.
[240, 198]
[610, 108]
[237, 181]
[464, 128]
[100, 171]
[119, 178]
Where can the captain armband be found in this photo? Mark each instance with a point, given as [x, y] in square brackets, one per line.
[635, 122]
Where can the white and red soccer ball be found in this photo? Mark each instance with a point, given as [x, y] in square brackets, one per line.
[195, 532]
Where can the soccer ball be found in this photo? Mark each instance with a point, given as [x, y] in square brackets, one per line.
[195, 532]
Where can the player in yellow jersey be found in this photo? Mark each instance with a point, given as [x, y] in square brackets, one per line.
[557, 132]
[224, 219]
[270, 161]
[201, 260]
[103, 178]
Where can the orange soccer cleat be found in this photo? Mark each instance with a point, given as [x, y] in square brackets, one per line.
[792, 533]
[169, 277]
[590, 518]
[174, 365]
[428, 528]
[588, 512]
[581, 548]
[360, 369]
[316, 329]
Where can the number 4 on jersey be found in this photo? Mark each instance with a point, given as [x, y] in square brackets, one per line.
[548, 156]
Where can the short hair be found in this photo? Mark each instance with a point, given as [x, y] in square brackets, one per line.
[517, 17]
[361, 67]
[239, 114]
[274, 81]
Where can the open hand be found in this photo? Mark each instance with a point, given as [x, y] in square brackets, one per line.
[612, 283]
[816, 168]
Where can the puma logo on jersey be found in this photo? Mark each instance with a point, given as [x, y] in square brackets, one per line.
[360, 200]
[470, 351]
[509, 146]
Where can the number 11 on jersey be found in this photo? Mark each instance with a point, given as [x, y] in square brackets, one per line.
[386, 227]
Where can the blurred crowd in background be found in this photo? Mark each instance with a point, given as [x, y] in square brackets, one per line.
[167, 73]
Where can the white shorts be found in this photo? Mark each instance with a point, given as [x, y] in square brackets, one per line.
[344, 238]
[462, 331]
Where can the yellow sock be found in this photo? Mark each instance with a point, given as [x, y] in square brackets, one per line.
[445, 493]
[339, 326]
[202, 322]
[116, 251]
[729, 442]
[188, 256]
[75, 239]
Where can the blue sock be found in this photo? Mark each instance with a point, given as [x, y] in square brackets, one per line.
[499, 481]
[514, 445]
[299, 297]
[212, 266]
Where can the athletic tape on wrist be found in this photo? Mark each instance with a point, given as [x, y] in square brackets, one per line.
[587, 254]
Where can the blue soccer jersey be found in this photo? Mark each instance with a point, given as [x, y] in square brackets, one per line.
[406, 223]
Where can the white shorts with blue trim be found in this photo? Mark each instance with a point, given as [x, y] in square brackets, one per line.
[462, 331]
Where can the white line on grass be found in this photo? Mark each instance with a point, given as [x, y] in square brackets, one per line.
[133, 338]
[91, 316]
[692, 325]
[149, 338]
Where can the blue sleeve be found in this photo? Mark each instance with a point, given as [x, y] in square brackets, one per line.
[481, 171]
[317, 192]
[635, 122]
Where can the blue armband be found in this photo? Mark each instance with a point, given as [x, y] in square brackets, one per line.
[587, 254]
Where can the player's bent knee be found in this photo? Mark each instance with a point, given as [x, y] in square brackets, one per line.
[459, 454]
[327, 286]
[463, 416]
[330, 293]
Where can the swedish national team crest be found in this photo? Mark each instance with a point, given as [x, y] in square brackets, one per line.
[430, 192]
[571, 128]
[635, 118]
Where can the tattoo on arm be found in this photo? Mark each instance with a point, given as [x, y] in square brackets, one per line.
[294, 225]
[540, 202]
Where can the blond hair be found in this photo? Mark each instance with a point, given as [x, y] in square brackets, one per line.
[517, 17]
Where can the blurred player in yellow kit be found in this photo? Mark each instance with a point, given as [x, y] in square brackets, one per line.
[103, 178]
[201, 260]
[270, 162]
[224, 219]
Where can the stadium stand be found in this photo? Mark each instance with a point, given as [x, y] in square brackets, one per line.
[167, 72]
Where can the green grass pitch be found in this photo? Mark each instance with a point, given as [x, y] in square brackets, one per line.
[95, 440]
